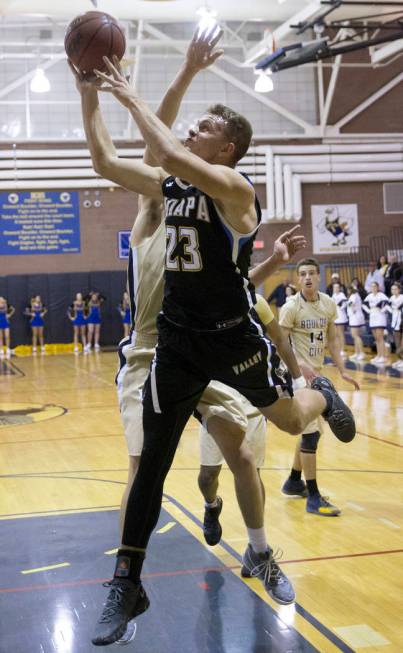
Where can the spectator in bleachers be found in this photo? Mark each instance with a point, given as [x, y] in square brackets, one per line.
[376, 305]
[356, 321]
[335, 278]
[341, 320]
[374, 275]
[382, 264]
[278, 296]
[393, 273]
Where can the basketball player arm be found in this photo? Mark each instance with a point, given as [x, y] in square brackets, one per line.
[284, 248]
[281, 340]
[334, 349]
[199, 56]
[134, 175]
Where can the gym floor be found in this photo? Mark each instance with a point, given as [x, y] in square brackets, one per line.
[63, 469]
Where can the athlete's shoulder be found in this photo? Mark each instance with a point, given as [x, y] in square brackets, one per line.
[289, 310]
[326, 301]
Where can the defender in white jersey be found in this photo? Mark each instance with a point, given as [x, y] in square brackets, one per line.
[309, 319]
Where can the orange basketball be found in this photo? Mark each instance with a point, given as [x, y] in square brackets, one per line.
[90, 37]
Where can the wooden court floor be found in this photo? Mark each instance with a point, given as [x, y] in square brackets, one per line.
[62, 453]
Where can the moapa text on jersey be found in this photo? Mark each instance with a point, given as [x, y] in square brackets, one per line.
[319, 323]
[250, 362]
[187, 207]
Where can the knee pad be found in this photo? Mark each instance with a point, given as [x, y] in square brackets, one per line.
[309, 442]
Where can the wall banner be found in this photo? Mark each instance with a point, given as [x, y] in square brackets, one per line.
[334, 228]
[39, 222]
[123, 244]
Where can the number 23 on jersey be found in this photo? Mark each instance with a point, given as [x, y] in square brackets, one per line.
[188, 258]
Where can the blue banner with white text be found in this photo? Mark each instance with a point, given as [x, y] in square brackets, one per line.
[39, 222]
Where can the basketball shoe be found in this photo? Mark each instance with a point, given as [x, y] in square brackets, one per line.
[265, 567]
[321, 506]
[125, 601]
[338, 415]
[212, 530]
[294, 488]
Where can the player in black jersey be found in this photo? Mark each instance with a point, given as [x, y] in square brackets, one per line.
[205, 329]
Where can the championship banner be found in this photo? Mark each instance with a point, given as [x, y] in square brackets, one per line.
[334, 228]
[39, 223]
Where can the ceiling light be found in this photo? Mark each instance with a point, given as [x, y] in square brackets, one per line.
[207, 21]
[264, 83]
[39, 82]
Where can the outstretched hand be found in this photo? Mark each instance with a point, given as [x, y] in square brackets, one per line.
[350, 379]
[288, 244]
[116, 82]
[83, 82]
[200, 53]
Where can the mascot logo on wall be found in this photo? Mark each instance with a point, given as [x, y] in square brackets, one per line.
[334, 228]
[17, 414]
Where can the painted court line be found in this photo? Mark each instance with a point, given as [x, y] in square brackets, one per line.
[166, 528]
[48, 568]
[389, 523]
[373, 437]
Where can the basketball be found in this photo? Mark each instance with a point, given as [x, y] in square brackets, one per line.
[91, 36]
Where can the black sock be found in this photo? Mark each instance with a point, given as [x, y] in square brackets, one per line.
[129, 564]
[312, 487]
[295, 474]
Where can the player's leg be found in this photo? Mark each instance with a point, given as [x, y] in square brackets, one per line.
[294, 485]
[132, 471]
[171, 393]
[2, 331]
[41, 338]
[90, 334]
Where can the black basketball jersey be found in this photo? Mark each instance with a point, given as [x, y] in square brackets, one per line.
[207, 261]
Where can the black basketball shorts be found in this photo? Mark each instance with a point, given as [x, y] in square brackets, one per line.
[240, 357]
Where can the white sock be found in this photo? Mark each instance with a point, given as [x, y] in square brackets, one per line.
[257, 539]
[214, 504]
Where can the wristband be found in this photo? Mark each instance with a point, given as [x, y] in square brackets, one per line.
[299, 383]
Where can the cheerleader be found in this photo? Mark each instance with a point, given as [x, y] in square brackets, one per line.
[76, 314]
[376, 305]
[94, 320]
[6, 311]
[36, 311]
[341, 320]
[124, 310]
[356, 321]
[396, 308]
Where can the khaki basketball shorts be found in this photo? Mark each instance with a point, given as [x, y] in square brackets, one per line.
[217, 400]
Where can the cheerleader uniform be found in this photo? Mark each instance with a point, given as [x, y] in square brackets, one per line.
[396, 308]
[94, 316]
[79, 319]
[126, 318]
[356, 317]
[376, 304]
[37, 320]
[341, 302]
[4, 323]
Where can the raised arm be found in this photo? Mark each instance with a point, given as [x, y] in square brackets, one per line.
[285, 247]
[200, 55]
[133, 175]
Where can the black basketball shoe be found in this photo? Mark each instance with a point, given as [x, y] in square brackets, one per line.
[265, 567]
[338, 415]
[125, 601]
[211, 526]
